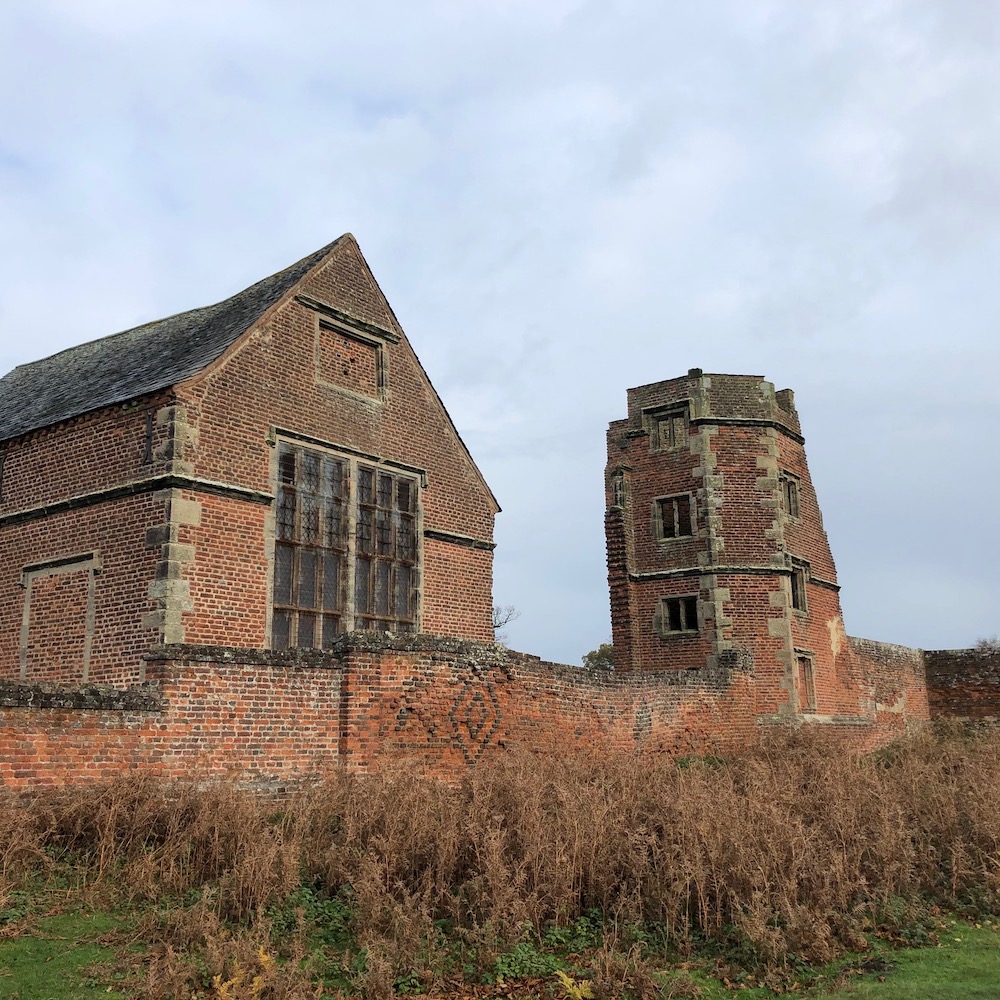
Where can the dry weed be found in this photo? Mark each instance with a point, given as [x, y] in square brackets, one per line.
[789, 850]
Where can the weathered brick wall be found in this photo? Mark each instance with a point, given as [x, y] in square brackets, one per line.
[267, 717]
[258, 716]
[225, 572]
[92, 452]
[270, 718]
[115, 532]
[892, 682]
[171, 493]
[964, 684]
[53, 735]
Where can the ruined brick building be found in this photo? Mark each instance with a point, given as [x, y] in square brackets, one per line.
[717, 554]
[267, 472]
[249, 538]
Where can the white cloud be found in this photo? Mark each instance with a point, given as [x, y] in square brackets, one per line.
[560, 200]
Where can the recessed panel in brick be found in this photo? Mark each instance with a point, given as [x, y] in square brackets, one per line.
[57, 618]
[347, 362]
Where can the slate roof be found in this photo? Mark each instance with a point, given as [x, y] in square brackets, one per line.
[137, 361]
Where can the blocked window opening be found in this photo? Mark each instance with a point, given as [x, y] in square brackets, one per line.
[341, 564]
[669, 429]
[807, 683]
[57, 624]
[798, 585]
[147, 439]
[348, 360]
[789, 494]
[677, 614]
[672, 517]
[618, 489]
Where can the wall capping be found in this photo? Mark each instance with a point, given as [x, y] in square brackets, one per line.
[80, 698]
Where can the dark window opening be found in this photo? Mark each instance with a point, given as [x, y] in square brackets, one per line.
[790, 495]
[673, 517]
[315, 551]
[677, 614]
[798, 582]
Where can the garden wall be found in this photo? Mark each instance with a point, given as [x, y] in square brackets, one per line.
[964, 684]
[271, 718]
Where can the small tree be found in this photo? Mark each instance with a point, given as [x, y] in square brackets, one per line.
[601, 658]
[503, 615]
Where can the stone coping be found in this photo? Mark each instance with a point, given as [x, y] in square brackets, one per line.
[81, 697]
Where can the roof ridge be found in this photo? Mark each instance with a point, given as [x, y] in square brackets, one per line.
[141, 359]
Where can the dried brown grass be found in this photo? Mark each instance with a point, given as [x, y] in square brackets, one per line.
[791, 848]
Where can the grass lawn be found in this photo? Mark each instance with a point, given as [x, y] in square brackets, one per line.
[50, 963]
[964, 966]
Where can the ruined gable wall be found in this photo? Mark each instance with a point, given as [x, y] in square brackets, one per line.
[297, 373]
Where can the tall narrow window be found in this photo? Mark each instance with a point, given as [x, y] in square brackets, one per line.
[789, 494]
[147, 440]
[672, 517]
[384, 599]
[807, 683]
[315, 550]
[310, 550]
[677, 614]
[798, 585]
[618, 489]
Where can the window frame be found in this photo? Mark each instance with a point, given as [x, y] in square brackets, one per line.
[805, 668]
[685, 606]
[659, 523]
[337, 513]
[791, 495]
[677, 419]
[798, 581]
[619, 489]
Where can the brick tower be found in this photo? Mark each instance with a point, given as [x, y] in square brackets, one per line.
[717, 557]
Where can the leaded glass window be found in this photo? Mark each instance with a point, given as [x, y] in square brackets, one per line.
[329, 578]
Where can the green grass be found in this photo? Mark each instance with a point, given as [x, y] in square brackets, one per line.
[58, 960]
[965, 965]
[51, 962]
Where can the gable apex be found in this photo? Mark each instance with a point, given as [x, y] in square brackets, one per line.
[146, 358]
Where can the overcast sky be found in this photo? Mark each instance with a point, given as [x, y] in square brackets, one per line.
[561, 200]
